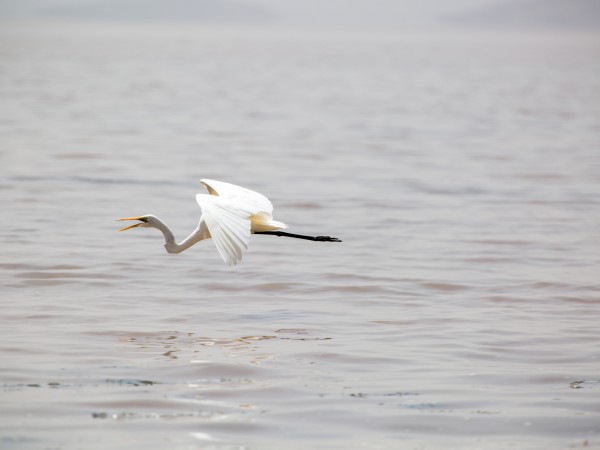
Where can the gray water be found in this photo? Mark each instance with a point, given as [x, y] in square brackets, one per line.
[462, 173]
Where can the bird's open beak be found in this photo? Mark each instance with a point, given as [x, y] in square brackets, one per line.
[130, 226]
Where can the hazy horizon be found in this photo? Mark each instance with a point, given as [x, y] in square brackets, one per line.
[333, 14]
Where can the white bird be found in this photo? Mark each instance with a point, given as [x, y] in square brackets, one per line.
[230, 214]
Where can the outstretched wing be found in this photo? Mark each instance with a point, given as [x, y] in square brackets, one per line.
[239, 195]
[228, 224]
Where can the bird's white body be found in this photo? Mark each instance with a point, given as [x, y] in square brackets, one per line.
[230, 214]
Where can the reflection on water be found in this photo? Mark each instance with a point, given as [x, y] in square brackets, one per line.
[172, 344]
[461, 173]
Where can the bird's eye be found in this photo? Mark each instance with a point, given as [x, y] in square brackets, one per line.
[144, 219]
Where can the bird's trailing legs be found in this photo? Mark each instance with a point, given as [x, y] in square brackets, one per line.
[300, 236]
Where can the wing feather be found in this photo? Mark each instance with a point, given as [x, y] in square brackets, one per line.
[229, 225]
[231, 238]
[258, 203]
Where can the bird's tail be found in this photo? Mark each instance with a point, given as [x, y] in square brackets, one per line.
[265, 222]
[278, 225]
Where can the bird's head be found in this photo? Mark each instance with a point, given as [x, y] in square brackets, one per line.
[143, 221]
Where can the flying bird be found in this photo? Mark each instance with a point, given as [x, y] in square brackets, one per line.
[230, 214]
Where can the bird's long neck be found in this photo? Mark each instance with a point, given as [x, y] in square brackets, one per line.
[171, 245]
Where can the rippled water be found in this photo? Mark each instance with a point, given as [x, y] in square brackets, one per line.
[461, 172]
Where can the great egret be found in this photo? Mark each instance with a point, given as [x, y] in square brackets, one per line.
[230, 214]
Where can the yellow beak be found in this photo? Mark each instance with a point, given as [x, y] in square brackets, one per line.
[130, 226]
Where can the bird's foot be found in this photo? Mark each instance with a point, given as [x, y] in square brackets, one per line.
[327, 239]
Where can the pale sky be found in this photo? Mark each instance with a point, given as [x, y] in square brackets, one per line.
[320, 13]
[375, 12]
[314, 11]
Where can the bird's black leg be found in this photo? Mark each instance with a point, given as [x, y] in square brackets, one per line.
[300, 236]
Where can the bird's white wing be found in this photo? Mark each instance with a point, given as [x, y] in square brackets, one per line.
[239, 195]
[229, 225]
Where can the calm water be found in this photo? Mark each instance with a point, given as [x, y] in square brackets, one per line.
[461, 311]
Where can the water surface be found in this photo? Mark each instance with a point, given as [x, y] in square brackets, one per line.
[461, 172]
